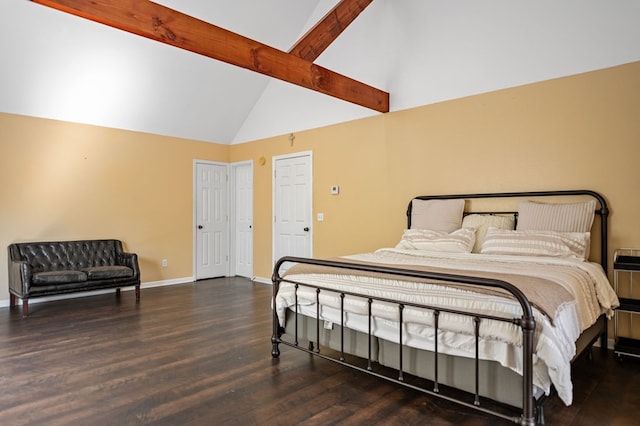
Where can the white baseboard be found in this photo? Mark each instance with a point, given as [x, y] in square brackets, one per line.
[262, 280]
[610, 343]
[167, 282]
[5, 302]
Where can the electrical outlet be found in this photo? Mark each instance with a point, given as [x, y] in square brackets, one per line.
[164, 263]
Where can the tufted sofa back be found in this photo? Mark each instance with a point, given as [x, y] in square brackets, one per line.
[65, 255]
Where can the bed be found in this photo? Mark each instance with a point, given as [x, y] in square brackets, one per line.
[490, 294]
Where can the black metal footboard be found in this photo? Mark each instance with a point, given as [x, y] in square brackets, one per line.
[526, 323]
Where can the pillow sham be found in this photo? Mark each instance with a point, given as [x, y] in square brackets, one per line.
[458, 241]
[537, 243]
[437, 215]
[482, 222]
[574, 217]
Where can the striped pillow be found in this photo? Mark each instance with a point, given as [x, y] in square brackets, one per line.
[576, 217]
[459, 241]
[537, 243]
[482, 222]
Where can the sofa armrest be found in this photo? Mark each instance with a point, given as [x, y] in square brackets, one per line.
[19, 278]
[130, 260]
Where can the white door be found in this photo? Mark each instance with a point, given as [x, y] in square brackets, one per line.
[243, 219]
[292, 208]
[211, 221]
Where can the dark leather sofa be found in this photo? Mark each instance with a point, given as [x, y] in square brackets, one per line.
[39, 269]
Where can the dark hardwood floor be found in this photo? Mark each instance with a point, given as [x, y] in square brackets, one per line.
[200, 354]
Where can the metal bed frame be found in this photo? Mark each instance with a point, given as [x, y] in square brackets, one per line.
[531, 412]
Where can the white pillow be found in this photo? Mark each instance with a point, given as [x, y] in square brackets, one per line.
[458, 241]
[437, 215]
[537, 243]
[575, 217]
[482, 222]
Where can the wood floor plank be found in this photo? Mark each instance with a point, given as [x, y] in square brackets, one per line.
[200, 354]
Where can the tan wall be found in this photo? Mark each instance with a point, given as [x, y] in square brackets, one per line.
[64, 181]
[579, 132]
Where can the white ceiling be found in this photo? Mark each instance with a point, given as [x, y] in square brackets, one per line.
[277, 23]
[59, 66]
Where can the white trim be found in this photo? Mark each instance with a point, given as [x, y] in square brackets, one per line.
[5, 302]
[165, 283]
[262, 280]
[610, 343]
[273, 200]
[194, 209]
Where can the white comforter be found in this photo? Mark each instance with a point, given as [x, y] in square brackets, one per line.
[501, 342]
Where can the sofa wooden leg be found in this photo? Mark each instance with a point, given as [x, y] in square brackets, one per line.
[25, 308]
[118, 293]
[12, 300]
[137, 293]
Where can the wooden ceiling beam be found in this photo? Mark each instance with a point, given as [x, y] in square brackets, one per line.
[318, 38]
[160, 23]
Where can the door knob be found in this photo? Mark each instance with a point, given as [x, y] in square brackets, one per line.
[200, 226]
[306, 229]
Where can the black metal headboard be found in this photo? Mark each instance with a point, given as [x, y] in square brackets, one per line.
[602, 211]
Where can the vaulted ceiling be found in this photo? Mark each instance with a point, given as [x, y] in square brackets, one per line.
[57, 65]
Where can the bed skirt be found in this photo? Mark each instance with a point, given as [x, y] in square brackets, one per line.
[496, 382]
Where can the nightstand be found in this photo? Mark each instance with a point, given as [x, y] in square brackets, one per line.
[626, 270]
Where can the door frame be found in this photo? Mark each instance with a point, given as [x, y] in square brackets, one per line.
[273, 200]
[194, 208]
[232, 216]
